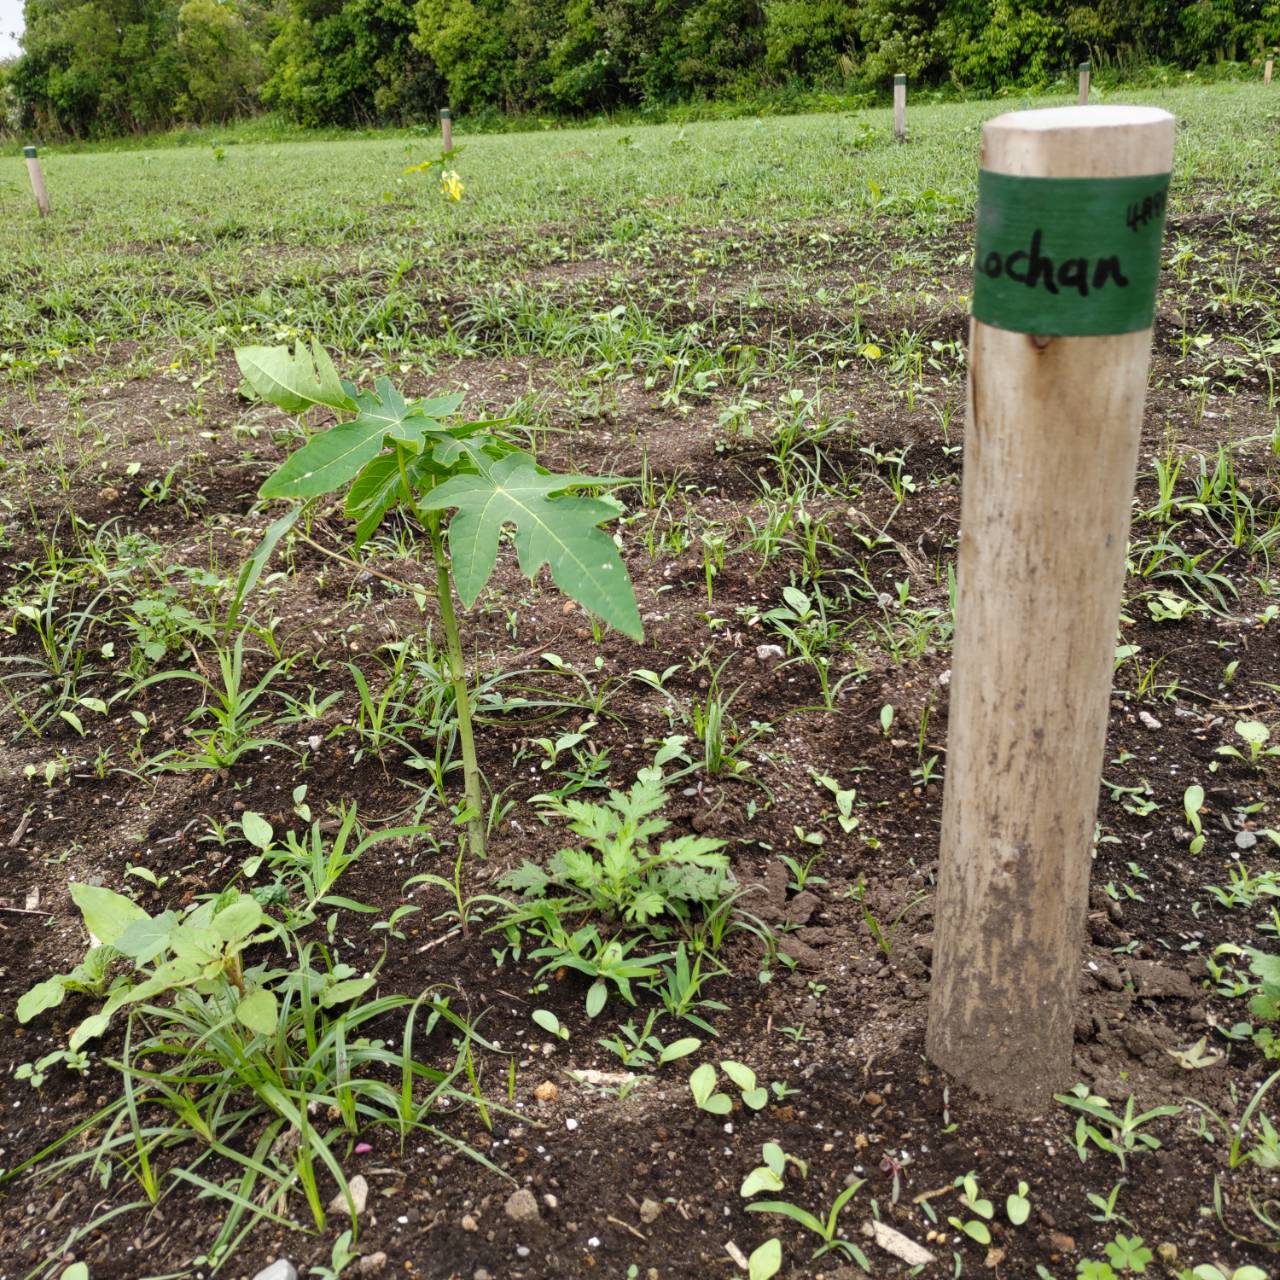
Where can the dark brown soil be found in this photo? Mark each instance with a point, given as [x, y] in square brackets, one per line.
[844, 1029]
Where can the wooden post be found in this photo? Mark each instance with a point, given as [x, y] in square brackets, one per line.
[1059, 348]
[1084, 84]
[1267, 69]
[36, 175]
[446, 129]
[900, 107]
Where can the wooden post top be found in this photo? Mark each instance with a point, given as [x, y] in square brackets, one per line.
[1079, 142]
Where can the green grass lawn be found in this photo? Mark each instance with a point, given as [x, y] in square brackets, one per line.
[182, 253]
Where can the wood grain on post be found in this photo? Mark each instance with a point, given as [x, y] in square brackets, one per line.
[1050, 452]
[36, 174]
[900, 107]
[446, 129]
[1084, 84]
[1267, 68]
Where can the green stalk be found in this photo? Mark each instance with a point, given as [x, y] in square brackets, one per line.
[462, 700]
[472, 785]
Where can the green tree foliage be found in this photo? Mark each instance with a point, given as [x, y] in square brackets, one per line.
[221, 60]
[99, 67]
[471, 43]
[350, 63]
[104, 66]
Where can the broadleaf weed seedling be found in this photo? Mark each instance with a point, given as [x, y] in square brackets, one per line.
[769, 1176]
[706, 1097]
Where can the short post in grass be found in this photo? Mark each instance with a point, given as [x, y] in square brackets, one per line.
[36, 174]
[1267, 68]
[1083, 98]
[900, 107]
[446, 129]
[1071, 206]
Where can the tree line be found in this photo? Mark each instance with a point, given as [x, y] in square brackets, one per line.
[96, 68]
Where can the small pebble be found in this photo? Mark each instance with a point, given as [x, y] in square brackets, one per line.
[372, 1263]
[359, 1189]
[522, 1207]
[571, 1124]
[469, 1223]
[547, 1091]
[1149, 720]
[280, 1269]
[1245, 839]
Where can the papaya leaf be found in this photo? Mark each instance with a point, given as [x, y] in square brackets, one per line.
[552, 527]
[294, 382]
[326, 462]
[372, 494]
[333, 458]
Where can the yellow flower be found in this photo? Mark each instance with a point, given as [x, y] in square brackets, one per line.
[872, 352]
[451, 185]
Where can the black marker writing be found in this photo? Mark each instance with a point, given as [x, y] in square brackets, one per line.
[1032, 267]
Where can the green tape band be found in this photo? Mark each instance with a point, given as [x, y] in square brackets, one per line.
[1068, 257]
[29, 152]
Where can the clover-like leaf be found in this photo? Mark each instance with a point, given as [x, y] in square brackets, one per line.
[552, 527]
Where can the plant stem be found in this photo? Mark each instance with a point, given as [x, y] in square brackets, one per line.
[472, 785]
[462, 700]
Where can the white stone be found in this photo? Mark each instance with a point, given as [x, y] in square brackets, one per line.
[280, 1269]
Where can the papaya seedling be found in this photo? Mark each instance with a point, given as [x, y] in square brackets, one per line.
[423, 457]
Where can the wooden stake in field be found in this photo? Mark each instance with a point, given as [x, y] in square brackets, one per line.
[36, 174]
[1071, 206]
[900, 108]
[1267, 68]
[1084, 84]
[446, 129]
